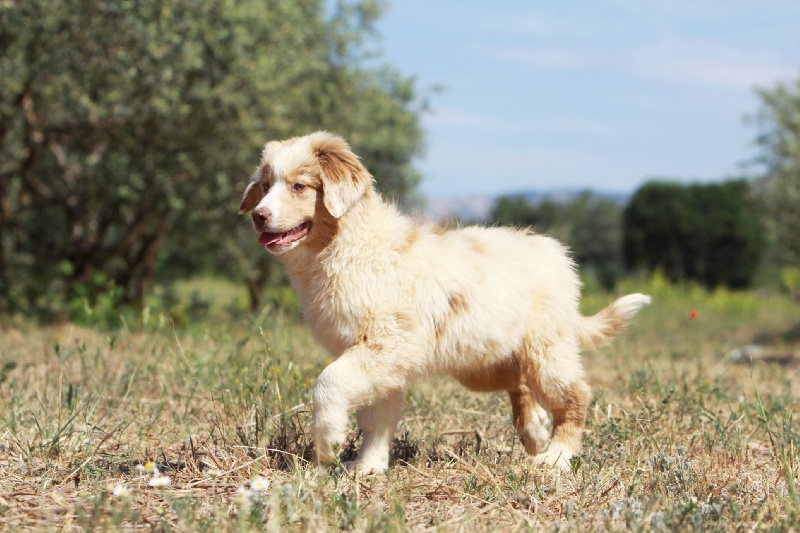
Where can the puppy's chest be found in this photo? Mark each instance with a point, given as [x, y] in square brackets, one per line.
[335, 315]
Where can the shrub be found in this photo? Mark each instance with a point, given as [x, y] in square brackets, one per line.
[710, 233]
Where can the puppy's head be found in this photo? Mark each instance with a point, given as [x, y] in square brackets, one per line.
[301, 188]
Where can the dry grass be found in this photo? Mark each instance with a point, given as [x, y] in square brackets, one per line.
[678, 437]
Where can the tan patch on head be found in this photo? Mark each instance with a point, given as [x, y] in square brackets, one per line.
[267, 174]
[338, 162]
[310, 169]
[344, 178]
[256, 189]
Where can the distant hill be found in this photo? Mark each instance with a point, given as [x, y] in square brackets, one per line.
[470, 208]
[476, 207]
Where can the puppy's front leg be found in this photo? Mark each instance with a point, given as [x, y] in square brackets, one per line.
[331, 406]
[378, 422]
[360, 377]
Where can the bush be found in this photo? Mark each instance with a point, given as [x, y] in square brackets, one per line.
[713, 234]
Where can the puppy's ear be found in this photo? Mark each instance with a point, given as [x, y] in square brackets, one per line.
[255, 189]
[252, 195]
[344, 178]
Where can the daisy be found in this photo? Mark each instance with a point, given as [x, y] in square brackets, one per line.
[159, 482]
[259, 484]
[148, 468]
[121, 491]
[243, 496]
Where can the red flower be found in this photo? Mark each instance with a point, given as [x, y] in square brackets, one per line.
[693, 314]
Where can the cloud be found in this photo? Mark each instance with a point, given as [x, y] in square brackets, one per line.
[550, 57]
[676, 60]
[465, 120]
[700, 63]
[455, 118]
[716, 43]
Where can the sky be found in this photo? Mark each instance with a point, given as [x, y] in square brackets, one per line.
[599, 94]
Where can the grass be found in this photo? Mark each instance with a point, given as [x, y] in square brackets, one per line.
[678, 436]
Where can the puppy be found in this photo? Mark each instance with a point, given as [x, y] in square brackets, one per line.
[394, 300]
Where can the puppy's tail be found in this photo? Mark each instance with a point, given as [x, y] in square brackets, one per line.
[601, 328]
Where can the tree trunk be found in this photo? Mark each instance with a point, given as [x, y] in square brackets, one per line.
[257, 283]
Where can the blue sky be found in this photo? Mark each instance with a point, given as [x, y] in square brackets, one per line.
[594, 94]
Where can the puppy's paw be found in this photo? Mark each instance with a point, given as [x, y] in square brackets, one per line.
[325, 459]
[556, 456]
[536, 435]
[366, 466]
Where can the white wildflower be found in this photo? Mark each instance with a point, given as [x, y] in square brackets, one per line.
[243, 496]
[148, 468]
[159, 482]
[121, 491]
[259, 484]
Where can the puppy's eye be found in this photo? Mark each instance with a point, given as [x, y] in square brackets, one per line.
[298, 187]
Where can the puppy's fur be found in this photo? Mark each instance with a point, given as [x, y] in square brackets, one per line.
[394, 300]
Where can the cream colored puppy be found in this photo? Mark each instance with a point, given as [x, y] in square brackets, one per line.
[394, 300]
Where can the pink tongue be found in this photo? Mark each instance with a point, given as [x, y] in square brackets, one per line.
[269, 238]
[284, 238]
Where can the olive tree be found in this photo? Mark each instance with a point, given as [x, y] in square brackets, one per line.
[129, 128]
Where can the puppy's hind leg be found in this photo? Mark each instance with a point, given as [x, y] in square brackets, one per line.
[557, 376]
[378, 422]
[567, 402]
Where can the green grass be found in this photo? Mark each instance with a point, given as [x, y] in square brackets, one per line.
[678, 436]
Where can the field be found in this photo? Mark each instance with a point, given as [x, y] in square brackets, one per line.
[679, 436]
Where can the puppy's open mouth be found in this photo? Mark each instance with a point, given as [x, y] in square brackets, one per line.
[281, 240]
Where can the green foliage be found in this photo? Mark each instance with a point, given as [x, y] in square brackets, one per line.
[518, 211]
[790, 276]
[711, 233]
[589, 225]
[129, 129]
[779, 120]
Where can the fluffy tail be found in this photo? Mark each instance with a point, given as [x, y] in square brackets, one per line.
[600, 328]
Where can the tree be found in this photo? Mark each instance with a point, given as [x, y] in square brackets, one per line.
[518, 211]
[129, 129]
[710, 233]
[779, 119]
